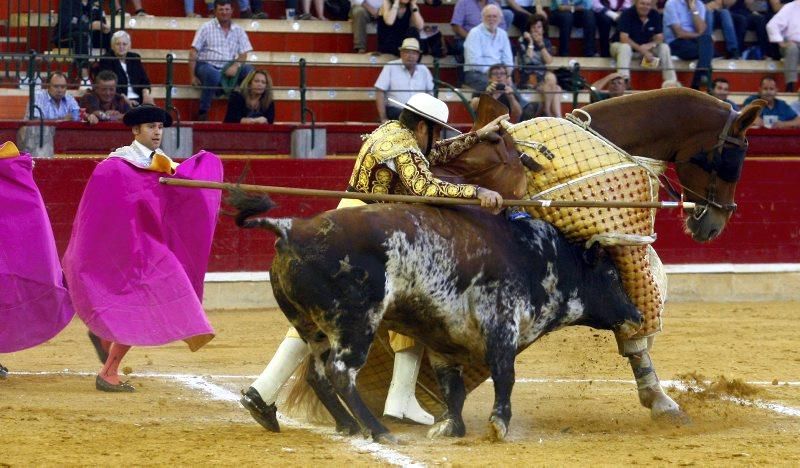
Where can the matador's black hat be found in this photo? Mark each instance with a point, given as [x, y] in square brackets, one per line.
[146, 114]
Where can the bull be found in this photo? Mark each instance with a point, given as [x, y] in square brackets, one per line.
[472, 287]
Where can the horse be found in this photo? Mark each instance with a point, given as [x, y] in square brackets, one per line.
[471, 286]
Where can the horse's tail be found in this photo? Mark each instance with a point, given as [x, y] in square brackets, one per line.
[251, 205]
[301, 401]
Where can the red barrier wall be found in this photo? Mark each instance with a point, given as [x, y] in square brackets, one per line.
[765, 229]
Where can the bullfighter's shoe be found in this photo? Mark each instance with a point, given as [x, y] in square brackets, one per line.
[3, 372]
[264, 414]
[401, 402]
[122, 387]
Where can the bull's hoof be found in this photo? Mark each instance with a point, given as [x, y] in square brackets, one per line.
[676, 417]
[497, 429]
[387, 438]
[446, 428]
[348, 429]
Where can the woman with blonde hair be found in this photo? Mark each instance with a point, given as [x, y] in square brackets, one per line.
[253, 102]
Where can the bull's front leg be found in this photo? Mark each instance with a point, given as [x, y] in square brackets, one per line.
[451, 383]
[500, 356]
[651, 394]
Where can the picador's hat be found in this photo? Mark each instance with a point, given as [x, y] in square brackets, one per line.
[146, 114]
[428, 107]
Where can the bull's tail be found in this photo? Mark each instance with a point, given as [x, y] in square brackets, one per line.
[301, 401]
[251, 205]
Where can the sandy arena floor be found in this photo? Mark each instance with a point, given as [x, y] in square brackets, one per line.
[574, 403]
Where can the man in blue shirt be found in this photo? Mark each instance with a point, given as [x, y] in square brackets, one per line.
[54, 102]
[685, 31]
[777, 113]
[565, 14]
[720, 88]
[641, 35]
[486, 45]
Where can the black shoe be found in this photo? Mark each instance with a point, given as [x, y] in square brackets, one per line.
[122, 387]
[3, 372]
[102, 354]
[790, 87]
[202, 116]
[259, 15]
[263, 413]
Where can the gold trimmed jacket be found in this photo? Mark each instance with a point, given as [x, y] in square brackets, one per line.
[393, 144]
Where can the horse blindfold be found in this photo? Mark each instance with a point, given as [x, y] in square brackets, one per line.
[727, 163]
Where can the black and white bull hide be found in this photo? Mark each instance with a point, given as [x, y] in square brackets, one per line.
[470, 286]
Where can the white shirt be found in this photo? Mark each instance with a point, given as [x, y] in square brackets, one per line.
[136, 153]
[785, 25]
[400, 85]
[483, 49]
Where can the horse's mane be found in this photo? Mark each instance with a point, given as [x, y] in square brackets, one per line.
[658, 96]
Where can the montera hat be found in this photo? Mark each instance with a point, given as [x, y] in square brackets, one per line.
[146, 114]
[410, 43]
[429, 107]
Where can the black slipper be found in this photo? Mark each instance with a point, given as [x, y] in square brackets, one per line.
[102, 354]
[3, 372]
[103, 386]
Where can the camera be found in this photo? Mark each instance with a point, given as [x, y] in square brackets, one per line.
[500, 87]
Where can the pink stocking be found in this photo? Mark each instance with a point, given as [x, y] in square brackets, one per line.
[110, 371]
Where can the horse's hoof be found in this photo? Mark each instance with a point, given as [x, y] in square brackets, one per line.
[387, 438]
[676, 417]
[348, 429]
[497, 429]
[445, 428]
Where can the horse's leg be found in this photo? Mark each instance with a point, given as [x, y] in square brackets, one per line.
[451, 383]
[500, 356]
[651, 395]
[346, 358]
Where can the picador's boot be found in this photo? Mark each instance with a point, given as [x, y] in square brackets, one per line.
[260, 398]
[401, 402]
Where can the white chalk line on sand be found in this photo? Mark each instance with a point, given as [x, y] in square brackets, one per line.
[201, 383]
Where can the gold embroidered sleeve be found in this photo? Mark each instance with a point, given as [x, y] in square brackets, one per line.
[445, 150]
[418, 179]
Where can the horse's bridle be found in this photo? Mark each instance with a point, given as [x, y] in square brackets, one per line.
[723, 160]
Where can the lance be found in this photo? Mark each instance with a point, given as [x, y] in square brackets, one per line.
[380, 197]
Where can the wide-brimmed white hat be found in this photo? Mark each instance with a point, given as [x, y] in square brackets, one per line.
[429, 107]
[410, 43]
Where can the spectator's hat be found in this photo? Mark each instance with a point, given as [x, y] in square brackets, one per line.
[410, 43]
[146, 114]
[427, 106]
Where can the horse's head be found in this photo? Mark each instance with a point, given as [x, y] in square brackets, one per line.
[709, 177]
[491, 165]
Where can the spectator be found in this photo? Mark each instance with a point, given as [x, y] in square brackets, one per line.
[103, 103]
[132, 80]
[253, 102]
[607, 87]
[219, 49]
[523, 10]
[720, 88]
[750, 20]
[784, 30]
[501, 88]
[536, 52]
[81, 26]
[568, 13]
[400, 79]
[796, 104]
[466, 15]
[606, 15]
[685, 33]
[188, 7]
[319, 6]
[137, 8]
[641, 35]
[486, 45]
[395, 19]
[363, 12]
[718, 14]
[55, 103]
[777, 113]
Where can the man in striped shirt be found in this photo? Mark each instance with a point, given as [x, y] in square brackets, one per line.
[219, 49]
[55, 103]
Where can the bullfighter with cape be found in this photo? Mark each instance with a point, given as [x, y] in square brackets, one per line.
[139, 250]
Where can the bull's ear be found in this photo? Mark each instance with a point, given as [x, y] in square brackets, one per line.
[594, 253]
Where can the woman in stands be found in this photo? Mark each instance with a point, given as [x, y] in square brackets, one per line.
[132, 81]
[253, 101]
[395, 18]
[536, 52]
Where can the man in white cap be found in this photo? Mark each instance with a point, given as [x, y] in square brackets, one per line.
[400, 79]
[394, 159]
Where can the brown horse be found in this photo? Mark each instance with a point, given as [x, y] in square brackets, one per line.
[705, 140]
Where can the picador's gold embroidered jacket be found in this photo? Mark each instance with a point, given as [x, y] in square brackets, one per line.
[392, 142]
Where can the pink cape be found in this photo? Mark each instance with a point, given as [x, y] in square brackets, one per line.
[34, 305]
[139, 250]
